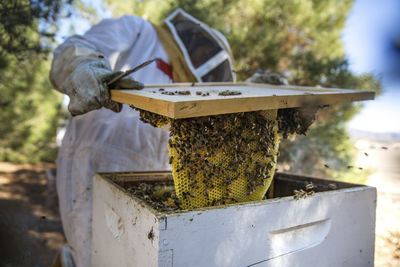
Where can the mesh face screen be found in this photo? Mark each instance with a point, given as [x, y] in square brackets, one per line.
[205, 49]
[200, 45]
[222, 73]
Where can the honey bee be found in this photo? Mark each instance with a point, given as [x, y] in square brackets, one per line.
[150, 235]
[309, 186]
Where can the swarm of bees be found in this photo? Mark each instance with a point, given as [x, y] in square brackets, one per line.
[228, 92]
[226, 158]
[160, 196]
[163, 92]
[296, 120]
[199, 93]
[202, 93]
[301, 193]
[221, 159]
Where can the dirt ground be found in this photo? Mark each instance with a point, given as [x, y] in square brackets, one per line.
[30, 225]
[31, 231]
[383, 158]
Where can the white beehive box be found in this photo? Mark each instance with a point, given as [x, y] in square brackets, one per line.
[333, 227]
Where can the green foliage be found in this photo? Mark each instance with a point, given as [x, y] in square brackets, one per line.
[19, 18]
[30, 112]
[150, 10]
[30, 108]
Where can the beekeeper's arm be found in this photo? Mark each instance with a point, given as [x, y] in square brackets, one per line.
[82, 64]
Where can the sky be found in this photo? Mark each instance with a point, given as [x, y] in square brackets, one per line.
[381, 115]
[77, 24]
[372, 44]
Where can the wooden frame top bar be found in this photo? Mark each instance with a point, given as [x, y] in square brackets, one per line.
[253, 97]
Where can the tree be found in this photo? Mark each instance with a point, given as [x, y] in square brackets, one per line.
[19, 27]
[30, 109]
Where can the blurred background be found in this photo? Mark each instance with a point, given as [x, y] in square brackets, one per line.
[335, 43]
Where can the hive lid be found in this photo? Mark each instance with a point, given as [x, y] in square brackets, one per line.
[253, 97]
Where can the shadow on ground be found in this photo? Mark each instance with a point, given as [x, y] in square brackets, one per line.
[30, 225]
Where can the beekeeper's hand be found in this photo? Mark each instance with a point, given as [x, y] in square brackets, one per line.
[261, 76]
[87, 87]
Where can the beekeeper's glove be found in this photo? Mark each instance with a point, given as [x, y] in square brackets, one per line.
[261, 76]
[87, 87]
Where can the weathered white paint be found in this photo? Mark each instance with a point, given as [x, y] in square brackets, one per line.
[114, 223]
[334, 228]
[299, 237]
[110, 245]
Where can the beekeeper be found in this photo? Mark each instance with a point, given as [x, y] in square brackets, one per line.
[104, 136]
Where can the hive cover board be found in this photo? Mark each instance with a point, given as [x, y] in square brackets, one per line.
[186, 100]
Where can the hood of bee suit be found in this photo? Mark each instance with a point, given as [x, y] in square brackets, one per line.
[197, 52]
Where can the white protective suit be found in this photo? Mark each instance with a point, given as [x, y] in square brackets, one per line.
[105, 141]
[102, 140]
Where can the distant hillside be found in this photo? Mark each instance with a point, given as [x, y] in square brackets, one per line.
[356, 134]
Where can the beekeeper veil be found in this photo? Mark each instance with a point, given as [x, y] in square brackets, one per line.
[206, 50]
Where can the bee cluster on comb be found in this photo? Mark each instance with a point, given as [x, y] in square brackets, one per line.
[221, 159]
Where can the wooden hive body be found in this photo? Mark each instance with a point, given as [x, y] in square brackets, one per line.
[333, 227]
